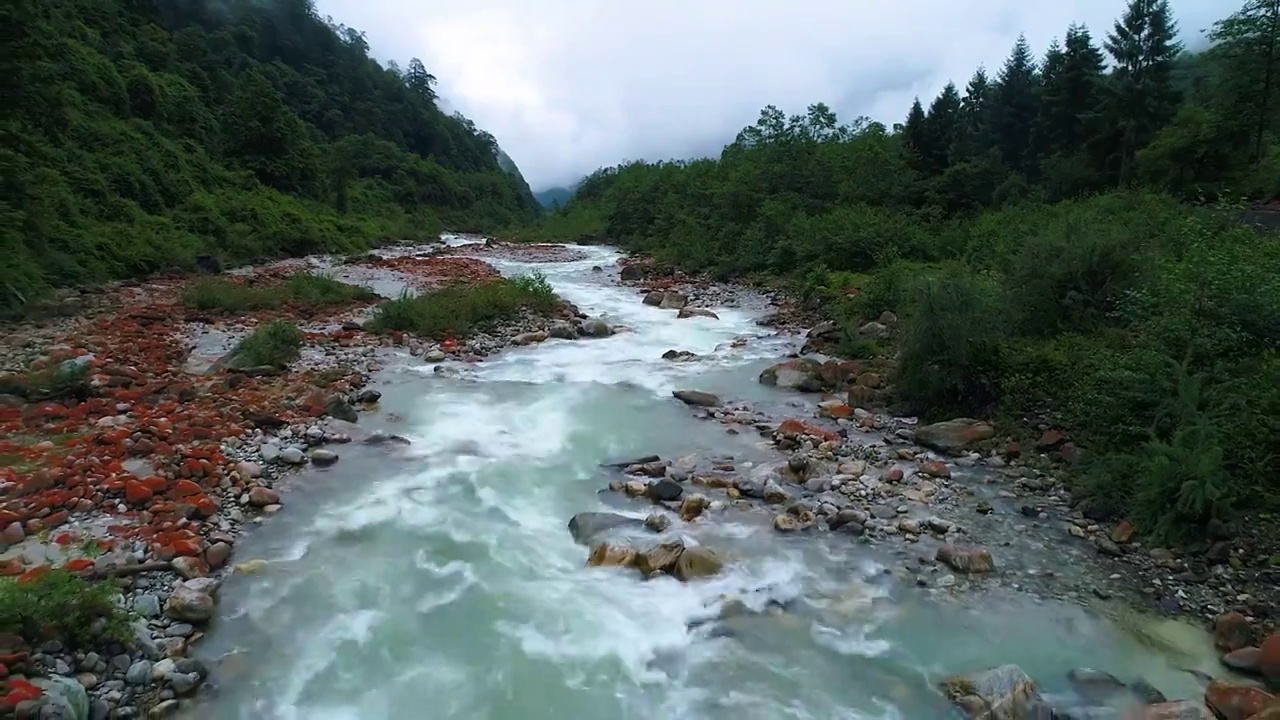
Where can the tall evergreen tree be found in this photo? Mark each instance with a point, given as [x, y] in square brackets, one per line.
[1144, 46]
[1044, 138]
[1248, 42]
[942, 128]
[1015, 106]
[975, 112]
[913, 133]
[1071, 94]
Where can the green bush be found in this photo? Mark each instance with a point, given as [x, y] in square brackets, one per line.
[275, 344]
[314, 289]
[951, 345]
[61, 604]
[460, 309]
[220, 294]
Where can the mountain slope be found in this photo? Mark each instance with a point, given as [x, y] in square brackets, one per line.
[139, 134]
[552, 197]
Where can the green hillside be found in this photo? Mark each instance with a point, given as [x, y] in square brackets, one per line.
[139, 134]
[1061, 240]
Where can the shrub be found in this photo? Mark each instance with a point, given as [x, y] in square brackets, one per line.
[220, 294]
[951, 342]
[58, 603]
[459, 309]
[276, 344]
[314, 289]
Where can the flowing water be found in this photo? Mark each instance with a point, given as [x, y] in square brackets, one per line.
[441, 582]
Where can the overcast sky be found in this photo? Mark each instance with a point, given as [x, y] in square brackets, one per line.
[568, 86]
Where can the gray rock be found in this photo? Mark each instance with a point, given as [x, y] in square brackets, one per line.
[184, 683]
[146, 605]
[954, 435]
[666, 490]
[292, 456]
[697, 398]
[64, 698]
[596, 328]
[586, 526]
[270, 452]
[186, 603]
[1002, 693]
[179, 630]
[139, 673]
[338, 407]
[323, 458]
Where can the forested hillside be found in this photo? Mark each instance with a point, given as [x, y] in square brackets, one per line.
[138, 134]
[1058, 238]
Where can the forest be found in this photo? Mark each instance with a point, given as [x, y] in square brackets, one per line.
[1061, 239]
[139, 135]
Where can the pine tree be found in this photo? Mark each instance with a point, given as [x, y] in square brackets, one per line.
[942, 127]
[1045, 136]
[1015, 105]
[913, 133]
[975, 114]
[1144, 47]
[420, 81]
[1249, 43]
[1071, 94]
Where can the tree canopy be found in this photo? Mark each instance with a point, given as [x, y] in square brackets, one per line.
[139, 134]
[1060, 241]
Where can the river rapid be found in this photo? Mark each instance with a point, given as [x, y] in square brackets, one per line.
[439, 581]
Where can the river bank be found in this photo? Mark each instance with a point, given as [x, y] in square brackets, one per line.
[480, 413]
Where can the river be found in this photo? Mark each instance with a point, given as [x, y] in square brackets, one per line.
[440, 582]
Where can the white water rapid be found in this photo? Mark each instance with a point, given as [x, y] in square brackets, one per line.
[442, 583]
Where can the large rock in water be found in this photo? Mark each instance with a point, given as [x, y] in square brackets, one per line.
[966, 560]
[586, 526]
[954, 435]
[803, 374]
[696, 562]
[1002, 693]
[697, 398]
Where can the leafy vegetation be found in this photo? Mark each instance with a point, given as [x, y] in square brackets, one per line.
[275, 344]
[138, 136]
[1060, 240]
[301, 287]
[459, 309]
[61, 604]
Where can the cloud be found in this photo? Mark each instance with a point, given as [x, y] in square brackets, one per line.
[568, 86]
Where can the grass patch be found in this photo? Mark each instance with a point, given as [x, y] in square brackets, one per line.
[220, 294]
[314, 289]
[60, 604]
[302, 287]
[276, 344]
[460, 309]
[62, 381]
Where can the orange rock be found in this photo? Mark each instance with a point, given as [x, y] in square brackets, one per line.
[1269, 659]
[186, 548]
[793, 428]
[185, 488]
[136, 493]
[1237, 702]
[1232, 632]
[78, 564]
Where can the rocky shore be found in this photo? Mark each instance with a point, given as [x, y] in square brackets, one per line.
[148, 474]
[145, 471]
[965, 510]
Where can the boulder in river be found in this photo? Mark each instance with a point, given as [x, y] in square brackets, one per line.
[697, 398]
[1002, 693]
[338, 407]
[608, 554]
[654, 298]
[596, 328]
[1233, 701]
[586, 526]
[696, 562]
[673, 301]
[966, 560]
[679, 356]
[688, 312]
[665, 490]
[803, 374]
[659, 558]
[954, 435]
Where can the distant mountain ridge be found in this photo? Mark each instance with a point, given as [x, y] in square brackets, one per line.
[552, 197]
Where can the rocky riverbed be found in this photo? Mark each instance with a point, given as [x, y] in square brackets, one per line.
[155, 478]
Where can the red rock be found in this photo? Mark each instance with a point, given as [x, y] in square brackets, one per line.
[893, 474]
[186, 548]
[155, 483]
[1175, 710]
[935, 468]
[1269, 659]
[185, 488]
[1232, 632]
[1123, 532]
[78, 564]
[135, 493]
[793, 428]
[1237, 702]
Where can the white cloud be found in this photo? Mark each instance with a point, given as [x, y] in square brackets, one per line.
[571, 85]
